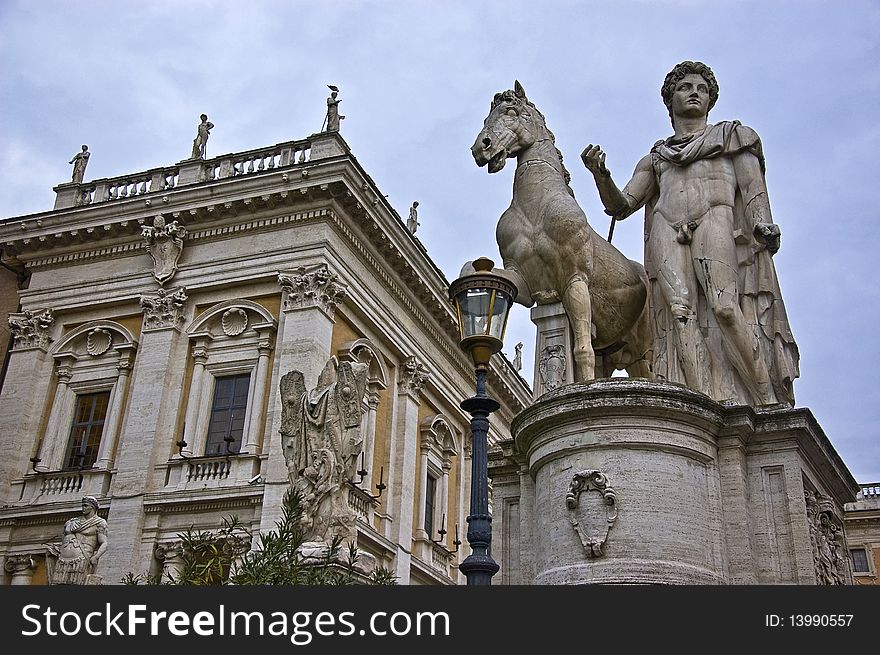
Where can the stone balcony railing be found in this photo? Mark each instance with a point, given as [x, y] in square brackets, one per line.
[195, 171]
[363, 504]
[196, 473]
[63, 485]
[868, 498]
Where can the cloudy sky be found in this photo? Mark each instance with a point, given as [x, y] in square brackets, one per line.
[416, 78]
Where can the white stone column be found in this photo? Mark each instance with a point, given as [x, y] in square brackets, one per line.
[147, 430]
[58, 427]
[114, 412]
[370, 435]
[305, 333]
[21, 568]
[254, 438]
[423, 493]
[444, 498]
[402, 454]
[194, 403]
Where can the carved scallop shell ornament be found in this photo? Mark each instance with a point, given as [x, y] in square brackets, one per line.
[234, 322]
[98, 342]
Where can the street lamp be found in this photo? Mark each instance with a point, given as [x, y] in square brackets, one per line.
[482, 302]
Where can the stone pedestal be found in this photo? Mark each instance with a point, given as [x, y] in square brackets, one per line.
[554, 362]
[635, 482]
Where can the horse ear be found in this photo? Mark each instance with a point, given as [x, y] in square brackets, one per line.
[518, 90]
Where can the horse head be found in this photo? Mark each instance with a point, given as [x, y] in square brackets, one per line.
[512, 125]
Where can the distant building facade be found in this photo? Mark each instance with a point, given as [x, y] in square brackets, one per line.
[862, 524]
[151, 317]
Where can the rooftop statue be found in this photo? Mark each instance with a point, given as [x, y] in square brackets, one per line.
[80, 161]
[720, 324]
[550, 251]
[75, 558]
[200, 143]
[412, 223]
[322, 439]
[331, 120]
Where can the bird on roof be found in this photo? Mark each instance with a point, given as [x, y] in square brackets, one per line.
[333, 87]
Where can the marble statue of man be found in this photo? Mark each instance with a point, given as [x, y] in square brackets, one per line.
[332, 119]
[200, 143]
[74, 560]
[720, 323]
[412, 223]
[80, 161]
[322, 439]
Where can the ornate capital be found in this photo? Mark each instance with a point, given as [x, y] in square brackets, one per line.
[18, 564]
[64, 369]
[163, 309]
[315, 287]
[168, 552]
[165, 245]
[413, 375]
[30, 329]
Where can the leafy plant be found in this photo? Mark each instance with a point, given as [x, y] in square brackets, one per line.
[222, 557]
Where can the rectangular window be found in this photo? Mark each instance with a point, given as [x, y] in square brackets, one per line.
[430, 494]
[859, 560]
[227, 414]
[85, 433]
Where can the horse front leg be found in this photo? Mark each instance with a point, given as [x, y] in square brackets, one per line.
[576, 300]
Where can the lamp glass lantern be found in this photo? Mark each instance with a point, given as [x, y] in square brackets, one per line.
[482, 303]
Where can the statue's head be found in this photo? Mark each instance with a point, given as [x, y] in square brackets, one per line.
[682, 70]
[89, 502]
[85, 147]
[204, 117]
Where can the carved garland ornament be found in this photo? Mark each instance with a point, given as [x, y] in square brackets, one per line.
[592, 529]
[164, 309]
[316, 288]
[30, 329]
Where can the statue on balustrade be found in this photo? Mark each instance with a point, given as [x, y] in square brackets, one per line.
[412, 223]
[73, 561]
[321, 438]
[719, 322]
[80, 161]
[200, 143]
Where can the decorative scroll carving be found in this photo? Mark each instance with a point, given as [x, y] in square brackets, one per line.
[321, 437]
[30, 329]
[413, 375]
[164, 309]
[17, 565]
[591, 523]
[317, 287]
[98, 342]
[165, 245]
[552, 366]
[826, 535]
[234, 322]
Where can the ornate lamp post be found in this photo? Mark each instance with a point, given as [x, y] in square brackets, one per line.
[482, 302]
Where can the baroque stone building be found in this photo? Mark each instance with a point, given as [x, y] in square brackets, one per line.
[151, 318]
[862, 525]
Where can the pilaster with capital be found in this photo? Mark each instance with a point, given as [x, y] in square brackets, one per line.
[21, 569]
[305, 333]
[402, 449]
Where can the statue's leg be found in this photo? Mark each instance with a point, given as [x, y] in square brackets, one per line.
[576, 300]
[678, 286]
[715, 264]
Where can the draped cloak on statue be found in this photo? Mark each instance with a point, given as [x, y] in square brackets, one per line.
[760, 297]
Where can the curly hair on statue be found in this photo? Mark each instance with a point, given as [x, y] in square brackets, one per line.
[678, 73]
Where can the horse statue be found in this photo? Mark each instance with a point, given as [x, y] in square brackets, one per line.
[550, 252]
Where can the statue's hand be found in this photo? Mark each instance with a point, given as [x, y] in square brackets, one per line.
[594, 160]
[93, 560]
[770, 235]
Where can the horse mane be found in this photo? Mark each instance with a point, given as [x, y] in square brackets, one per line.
[511, 96]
